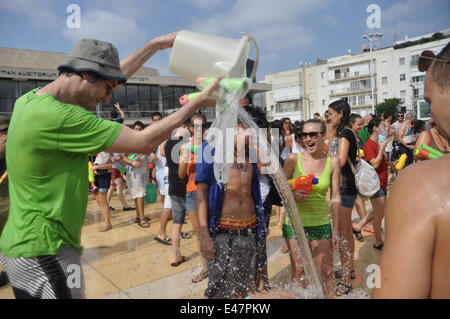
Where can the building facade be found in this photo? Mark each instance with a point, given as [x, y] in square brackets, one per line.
[349, 77]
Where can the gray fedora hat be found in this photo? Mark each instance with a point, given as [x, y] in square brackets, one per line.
[94, 56]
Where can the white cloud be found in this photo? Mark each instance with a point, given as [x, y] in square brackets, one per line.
[404, 9]
[107, 26]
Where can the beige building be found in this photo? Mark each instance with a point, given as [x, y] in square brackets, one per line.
[300, 93]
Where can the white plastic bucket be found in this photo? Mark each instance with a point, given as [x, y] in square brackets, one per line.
[194, 55]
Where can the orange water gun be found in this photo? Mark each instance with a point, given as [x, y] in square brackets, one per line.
[304, 183]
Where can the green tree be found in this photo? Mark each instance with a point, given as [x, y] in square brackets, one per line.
[389, 105]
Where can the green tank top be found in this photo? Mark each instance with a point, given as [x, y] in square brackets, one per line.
[314, 210]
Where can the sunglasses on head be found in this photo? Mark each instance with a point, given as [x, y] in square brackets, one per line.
[313, 135]
[426, 58]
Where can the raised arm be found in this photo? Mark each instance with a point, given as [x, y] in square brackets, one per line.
[117, 106]
[133, 62]
[132, 141]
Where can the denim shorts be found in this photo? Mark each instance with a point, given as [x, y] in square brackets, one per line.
[178, 209]
[348, 201]
[191, 200]
[380, 193]
[103, 180]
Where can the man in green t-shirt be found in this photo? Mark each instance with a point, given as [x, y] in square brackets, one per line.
[51, 133]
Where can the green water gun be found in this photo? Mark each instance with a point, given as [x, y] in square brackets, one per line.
[227, 84]
[426, 152]
[134, 157]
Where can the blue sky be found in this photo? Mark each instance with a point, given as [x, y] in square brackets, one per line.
[287, 31]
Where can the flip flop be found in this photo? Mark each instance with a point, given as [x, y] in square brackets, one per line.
[165, 241]
[345, 292]
[143, 224]
[186, 235]
[183, 259]
[358, 235]
[338, 274]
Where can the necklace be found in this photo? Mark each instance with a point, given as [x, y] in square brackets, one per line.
[242, 167]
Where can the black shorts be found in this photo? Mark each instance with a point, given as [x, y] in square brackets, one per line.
[103, 180]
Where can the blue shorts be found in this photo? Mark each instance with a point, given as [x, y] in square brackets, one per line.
[348, 201]
[380, 193]
[178, 209]
[191, 201]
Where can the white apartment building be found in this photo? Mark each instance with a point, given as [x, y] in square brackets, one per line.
[312, 88]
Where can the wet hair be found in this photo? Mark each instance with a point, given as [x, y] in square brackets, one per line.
[441, 70]
[341, 106]
[138, 123]
[374, 122]
[317, 113]
[385, 115]
[323, 128]
[354, 117]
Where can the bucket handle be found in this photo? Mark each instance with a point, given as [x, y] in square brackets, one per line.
[255, 67]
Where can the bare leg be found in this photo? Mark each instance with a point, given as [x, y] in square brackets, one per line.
[196, 225]
[378, 208]
[104, 207]
[360, 207]
[120, 188]
[139, 207]
[165, 217]
[346, 244]
[296, 262]
[323, 254]
[176, 234]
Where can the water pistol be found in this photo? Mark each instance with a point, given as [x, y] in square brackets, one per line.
[91, 174]
[304, 183]
[226, 84]
[122, 170]
[426, 152]
[3, 177]
[401, 162]
[134, 157]
[361, 152]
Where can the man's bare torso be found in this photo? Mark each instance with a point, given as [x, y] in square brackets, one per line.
[238, 202]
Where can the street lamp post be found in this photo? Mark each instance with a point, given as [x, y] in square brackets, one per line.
[372, 37]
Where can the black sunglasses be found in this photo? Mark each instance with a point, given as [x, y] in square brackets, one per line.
[425, 60]
[313, 135]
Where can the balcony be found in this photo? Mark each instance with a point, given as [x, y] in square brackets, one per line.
[351, 91]
[350, 77]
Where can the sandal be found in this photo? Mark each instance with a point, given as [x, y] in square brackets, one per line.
[186, 235]
[201, 276]
[165, 241]
[345, 292]
[378, 246]
[137, 220]
[338, 274]
[183, 259]
[358, 235]
[143, 223]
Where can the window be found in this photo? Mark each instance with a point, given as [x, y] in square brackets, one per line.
[414, 59]
[417, 79]
[401, 61]
[8, 95]
[132, 100]
[167, 97]
[402, 77]
[384, 80]
[324, 102]
[156, 97]
[323, 75]
[361, 99]
[145, 100]
[383, 64]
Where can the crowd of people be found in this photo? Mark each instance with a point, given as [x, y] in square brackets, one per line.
[48, 197]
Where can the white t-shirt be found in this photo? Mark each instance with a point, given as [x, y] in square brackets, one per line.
[102, 158]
